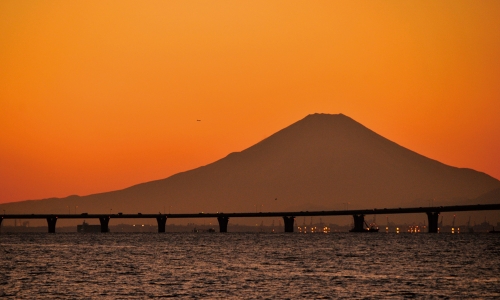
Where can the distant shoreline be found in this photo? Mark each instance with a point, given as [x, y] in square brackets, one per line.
[173, 228]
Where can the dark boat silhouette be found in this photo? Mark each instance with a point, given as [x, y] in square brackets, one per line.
[494, 231]
[85, 227]
[369, 228]
[208, 230]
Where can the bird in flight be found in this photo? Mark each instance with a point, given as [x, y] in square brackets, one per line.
[198, 120]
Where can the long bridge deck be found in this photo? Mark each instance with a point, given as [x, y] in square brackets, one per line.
[288, 217]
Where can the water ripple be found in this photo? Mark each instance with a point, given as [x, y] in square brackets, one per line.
[248, 266]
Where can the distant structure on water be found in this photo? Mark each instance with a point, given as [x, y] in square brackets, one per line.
[85, 227]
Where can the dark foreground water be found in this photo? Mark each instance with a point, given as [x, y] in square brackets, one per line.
[249, 266]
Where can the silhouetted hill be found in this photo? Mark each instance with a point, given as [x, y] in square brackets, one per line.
[490, 197]
[317, 163]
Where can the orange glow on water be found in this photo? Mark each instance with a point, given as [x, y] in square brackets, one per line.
[97, 96]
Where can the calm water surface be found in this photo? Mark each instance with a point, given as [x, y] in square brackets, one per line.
[249, 266]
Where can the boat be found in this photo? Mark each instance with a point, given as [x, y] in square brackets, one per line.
[371, 228]
[494, 231]
[85, 227]
[195, 230]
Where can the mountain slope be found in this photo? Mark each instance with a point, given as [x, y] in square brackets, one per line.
[317, 163]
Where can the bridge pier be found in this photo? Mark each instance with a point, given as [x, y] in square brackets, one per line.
[359, 221]
[104, 223]
[223, 223]
[433, 217]
[162, 220]
[289, 221]
[51, 221]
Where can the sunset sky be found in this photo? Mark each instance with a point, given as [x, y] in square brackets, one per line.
[101, 95]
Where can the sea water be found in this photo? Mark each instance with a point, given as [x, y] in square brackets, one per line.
[249, 266]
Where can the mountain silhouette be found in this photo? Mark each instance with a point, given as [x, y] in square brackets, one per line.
[322, 162]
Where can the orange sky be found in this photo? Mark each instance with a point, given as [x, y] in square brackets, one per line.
[100, 95]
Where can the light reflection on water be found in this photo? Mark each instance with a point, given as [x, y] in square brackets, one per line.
[239, 265]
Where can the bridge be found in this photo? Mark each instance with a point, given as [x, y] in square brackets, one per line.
[288, 217]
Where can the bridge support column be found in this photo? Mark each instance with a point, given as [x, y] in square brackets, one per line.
[433, 221]
[51, 221]
[359, 221]
[104, 223]
[289, 221]
[162, 220]
[223, 223]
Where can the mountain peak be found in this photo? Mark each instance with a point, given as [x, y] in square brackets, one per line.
[325, 115]
[321, 128]
[330, 117]
[327, 121]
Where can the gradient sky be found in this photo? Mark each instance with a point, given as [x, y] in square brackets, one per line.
[100, 95]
